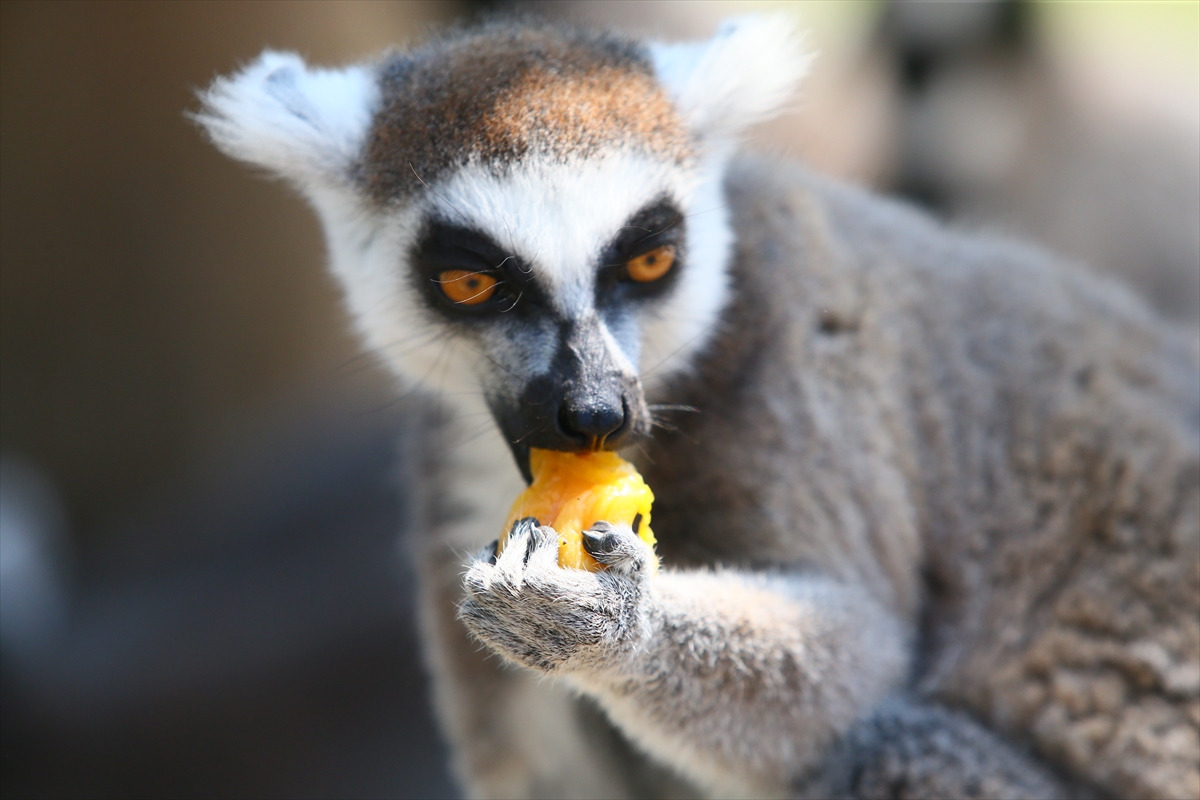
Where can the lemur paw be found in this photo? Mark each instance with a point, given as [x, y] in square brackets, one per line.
[532, 611]
[618, 548]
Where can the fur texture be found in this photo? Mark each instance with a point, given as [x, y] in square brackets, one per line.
[743, 76]
[1023, 441]
[503, 94]
[934, 528]
[307, 124]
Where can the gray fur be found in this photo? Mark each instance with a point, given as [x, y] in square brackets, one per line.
[934, 531]
[956, 457]
[557, 620]
[907, 751]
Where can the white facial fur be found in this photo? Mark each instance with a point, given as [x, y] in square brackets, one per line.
[557, 217]
[742, 76]
[309, 125]
[560, 216]
[304, 124]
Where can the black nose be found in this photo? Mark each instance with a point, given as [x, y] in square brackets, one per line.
[590, 424]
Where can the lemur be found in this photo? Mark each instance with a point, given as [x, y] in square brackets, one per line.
[933, 528]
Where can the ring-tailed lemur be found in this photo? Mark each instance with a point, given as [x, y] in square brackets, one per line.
[933, 528]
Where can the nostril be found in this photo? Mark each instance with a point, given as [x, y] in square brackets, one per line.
[566, 426]
[623, 423]
[590, 424]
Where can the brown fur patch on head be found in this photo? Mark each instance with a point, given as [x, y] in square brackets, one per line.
[502, 92]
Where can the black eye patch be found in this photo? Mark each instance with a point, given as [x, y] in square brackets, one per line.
[445, 248]
[656, 225]
[451, 246]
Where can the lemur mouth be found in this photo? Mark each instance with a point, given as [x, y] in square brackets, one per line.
[520, 452]
[584, 400]
[537, 420]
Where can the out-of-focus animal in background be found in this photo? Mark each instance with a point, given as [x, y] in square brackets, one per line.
[988, 134]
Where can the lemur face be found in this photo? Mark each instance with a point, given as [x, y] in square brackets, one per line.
[549, 283]
[526, 215]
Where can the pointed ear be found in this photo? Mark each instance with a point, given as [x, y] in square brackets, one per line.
[303, 124]
[744, 75]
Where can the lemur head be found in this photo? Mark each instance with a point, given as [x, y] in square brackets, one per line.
[526, 214]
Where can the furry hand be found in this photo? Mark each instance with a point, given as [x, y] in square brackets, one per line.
[534, 612]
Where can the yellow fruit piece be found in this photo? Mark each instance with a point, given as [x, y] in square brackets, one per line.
[572, 491]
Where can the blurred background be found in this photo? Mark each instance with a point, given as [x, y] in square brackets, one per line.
[204, 486]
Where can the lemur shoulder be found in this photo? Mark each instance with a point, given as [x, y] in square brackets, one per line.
[934, 528]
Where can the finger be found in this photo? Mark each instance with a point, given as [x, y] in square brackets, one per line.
[544, 550]
[478, 578]
[511, 562]
[617, 547]
[488, 554]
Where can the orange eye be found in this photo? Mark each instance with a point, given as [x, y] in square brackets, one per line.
[467, 288]
[653, 265]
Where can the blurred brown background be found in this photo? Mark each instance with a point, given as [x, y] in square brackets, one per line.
[186, 420]
[155, 295]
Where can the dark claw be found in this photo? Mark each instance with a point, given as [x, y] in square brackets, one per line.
[600, 539]
[530, 526]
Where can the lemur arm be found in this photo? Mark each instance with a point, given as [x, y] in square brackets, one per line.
[739, 675]
[735, 678]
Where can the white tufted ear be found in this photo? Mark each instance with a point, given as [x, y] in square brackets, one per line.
[744, 75]
[304, 124]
